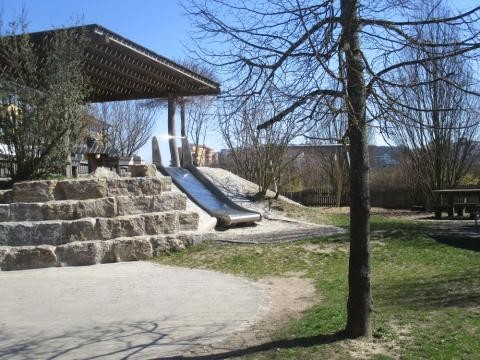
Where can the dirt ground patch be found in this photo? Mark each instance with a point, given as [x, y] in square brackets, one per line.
[345, 210]
[289, 297]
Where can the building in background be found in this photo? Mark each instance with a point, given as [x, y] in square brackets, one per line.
[203, 155]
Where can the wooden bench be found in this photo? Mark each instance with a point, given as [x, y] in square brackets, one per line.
[471, 208]
[458, 208]
[439, 208]
[457, 200]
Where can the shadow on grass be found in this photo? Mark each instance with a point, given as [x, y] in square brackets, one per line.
[273, 345]
[458, 242]
[463, 236]
[461, 290]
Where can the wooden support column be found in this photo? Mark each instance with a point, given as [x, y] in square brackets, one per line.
[172, 141]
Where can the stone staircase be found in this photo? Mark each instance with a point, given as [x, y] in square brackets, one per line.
[90, 221]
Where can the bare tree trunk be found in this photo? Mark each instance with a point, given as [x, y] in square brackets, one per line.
[359, 296]
[292, 35]
[172, 140]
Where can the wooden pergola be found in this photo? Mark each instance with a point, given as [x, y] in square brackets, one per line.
[119, 69]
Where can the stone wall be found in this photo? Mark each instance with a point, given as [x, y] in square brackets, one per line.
[90, 221]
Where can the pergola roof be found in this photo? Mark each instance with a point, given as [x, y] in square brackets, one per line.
[119, 69]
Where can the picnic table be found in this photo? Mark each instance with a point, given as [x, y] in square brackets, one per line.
[458, 200]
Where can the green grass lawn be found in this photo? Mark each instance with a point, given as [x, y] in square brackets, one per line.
[426, 294]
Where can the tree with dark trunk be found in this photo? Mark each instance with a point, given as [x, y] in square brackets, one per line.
[309, 55]
[331, 157]
[439, 150]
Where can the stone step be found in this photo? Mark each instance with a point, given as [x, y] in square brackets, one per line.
[92, 252]
[58, 232]
[90, 188]
[102, 207]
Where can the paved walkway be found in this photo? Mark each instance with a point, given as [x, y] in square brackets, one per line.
[135, 310]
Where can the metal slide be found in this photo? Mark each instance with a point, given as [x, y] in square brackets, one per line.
[206, 195]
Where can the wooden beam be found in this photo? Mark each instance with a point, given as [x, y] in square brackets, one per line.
[122, 70]
[143, 66]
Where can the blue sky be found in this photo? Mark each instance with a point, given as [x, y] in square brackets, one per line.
[156, 24]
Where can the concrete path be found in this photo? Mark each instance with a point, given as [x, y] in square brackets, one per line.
[135, 310]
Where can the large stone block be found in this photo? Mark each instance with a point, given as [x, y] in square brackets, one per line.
[164, 244]
[82, 189]
[6, 196]
[104, 207]
[51, 210]
[168, 201]
[127, 205]
[187, 239]
[142, 170]
[34, 191]
[27, 233]
[59, 210]
[48, 232]
[80, 253]
[79, 230]
[124, 226]
[4, 212]
[124, 187]
[4, 250]
[30, 257]
[138, 186]
[155, 185]
[26, 212]
[130, 249]
[188, 220]
[161, 223]
[5, 234]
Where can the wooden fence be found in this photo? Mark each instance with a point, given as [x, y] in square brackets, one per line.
[325, 197]
[4, 171]
[313, 197]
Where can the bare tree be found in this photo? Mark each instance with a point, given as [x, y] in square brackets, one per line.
[199, 117]
[42, 89]
[439, 130]
[259, 156]
[312, 53]
[332, 157]
[196, 112]
[130, 124]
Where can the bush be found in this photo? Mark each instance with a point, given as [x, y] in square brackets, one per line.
[42, 89]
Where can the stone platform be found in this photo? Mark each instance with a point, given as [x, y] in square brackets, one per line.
[89, 221]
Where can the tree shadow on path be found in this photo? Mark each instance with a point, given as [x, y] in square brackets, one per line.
[304, 342]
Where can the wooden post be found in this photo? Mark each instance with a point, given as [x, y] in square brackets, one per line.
[172, 141]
